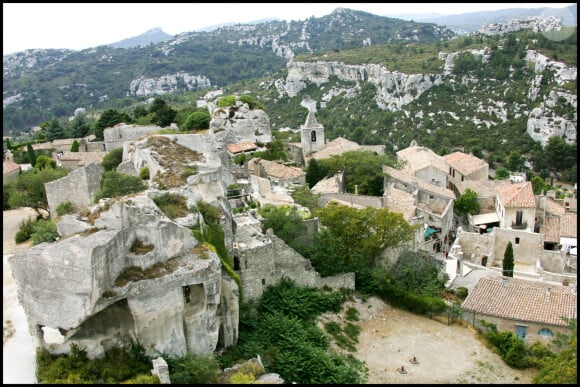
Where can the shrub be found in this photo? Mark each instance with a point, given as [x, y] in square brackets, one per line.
[64, 208]
[75, 146]
[189, 170]
[461, 292]
[43, 161]
[172, 205]
[211, 214]
[227, 100]
[114, 184]
[44, 231]
[352, 314]
[25, 231]
[112, 159]
[193, 369]
[144, 173]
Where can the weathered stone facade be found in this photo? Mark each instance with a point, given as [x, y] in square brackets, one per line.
[73, 285]
[79, 188]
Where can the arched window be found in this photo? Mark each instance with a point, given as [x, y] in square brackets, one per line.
[313, 136]
[545, 332]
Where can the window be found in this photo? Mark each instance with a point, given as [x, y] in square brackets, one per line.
[313, 136]
[545, 332]
[187, 294]
[519, 216]
[517, 241]
[263, 282]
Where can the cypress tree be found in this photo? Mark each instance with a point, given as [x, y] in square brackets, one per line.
[30, 154]
[508, 261]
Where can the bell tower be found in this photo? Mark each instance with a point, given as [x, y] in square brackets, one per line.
[311, 134]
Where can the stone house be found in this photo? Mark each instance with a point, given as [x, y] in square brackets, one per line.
[533, 310]
[463, 167]
[9, 168]
[75, 160]
[424, 164]
[279, 174]
[516, 207]
[433, 204]
[264, 259]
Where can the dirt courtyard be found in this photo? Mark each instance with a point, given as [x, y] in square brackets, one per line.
[447, 354]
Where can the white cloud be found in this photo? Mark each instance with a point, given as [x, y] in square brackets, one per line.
[82, 25]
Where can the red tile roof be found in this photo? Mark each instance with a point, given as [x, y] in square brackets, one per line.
[518, 195]
[243, 146]
[464, 163]
[9, 167]
[522, 300]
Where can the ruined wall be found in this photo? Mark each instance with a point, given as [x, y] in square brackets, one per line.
[528, 247]
[115, 136]
[361, 200]
[78, 187]
[476, 247]
[433, 175]
[269, 263]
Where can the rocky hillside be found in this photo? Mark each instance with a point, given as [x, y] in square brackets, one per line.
[41, 84]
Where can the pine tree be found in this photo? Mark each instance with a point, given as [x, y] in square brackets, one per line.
[508, 261]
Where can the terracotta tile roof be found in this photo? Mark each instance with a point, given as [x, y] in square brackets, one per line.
[483, 188]
[84, 158]
[464, 163]
[337, 146]
[243, 146]
[405, 176]
[518, 195]
[551, 229]
[9, 167]
[522, 300]
[327, 185]
[419, 157]
[281, 171]
[552, 207]
[397, 200]
[568, 225]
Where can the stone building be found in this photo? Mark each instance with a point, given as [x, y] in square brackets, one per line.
[311, 134]
[533, 310]
[463, 167]
[516, 207]
[424, 164]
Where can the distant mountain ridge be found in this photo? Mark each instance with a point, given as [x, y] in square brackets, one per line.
[472, 21]
[154, 35]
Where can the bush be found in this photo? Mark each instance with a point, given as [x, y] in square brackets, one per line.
[114, 184]
[43, 161]
[211, 214]
[228, 100]
[44, 231]
[112, 159]
[172, 205]
[144, 173]
[193, 369]
[461, 292]
[25, 231]
[64, 208]
[75, 146]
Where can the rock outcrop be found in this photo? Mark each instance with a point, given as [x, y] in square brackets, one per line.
[169, 83]
[535, 23]
[86, 286]
[238, 123]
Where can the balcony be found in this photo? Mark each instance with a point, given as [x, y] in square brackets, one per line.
[520, 226]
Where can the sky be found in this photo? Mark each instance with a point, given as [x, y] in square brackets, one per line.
[83, 25]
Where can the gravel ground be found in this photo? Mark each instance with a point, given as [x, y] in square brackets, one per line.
[447, 354]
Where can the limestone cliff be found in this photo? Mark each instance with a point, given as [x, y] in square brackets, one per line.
[98, 290]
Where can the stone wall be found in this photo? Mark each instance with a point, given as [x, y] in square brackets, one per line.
[527, 246]
[360, 200]
[115, 136]
[476, 247]
[267, 264]
[78, 187]
[532, 329]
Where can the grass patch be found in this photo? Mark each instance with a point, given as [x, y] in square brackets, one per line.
[140, 248]
[135, 273]
[172, 205]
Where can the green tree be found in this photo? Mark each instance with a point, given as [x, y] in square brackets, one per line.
[361, 236]
[53, 130]
[467, 203]
[75, 146]
[164, 114]
[108, 119]
[29, 188]
[304, 196]
[79, 127]
[31, 155]
[44, 161]
[275, 150]
[538, 185]
[314, 172]
[197, 121]
[508, 260]
[227, 100]
[285, 222]
[193, 369]
[515, 161]
[561, 368]
[417, 273]
[502, 173]
[112, 159]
